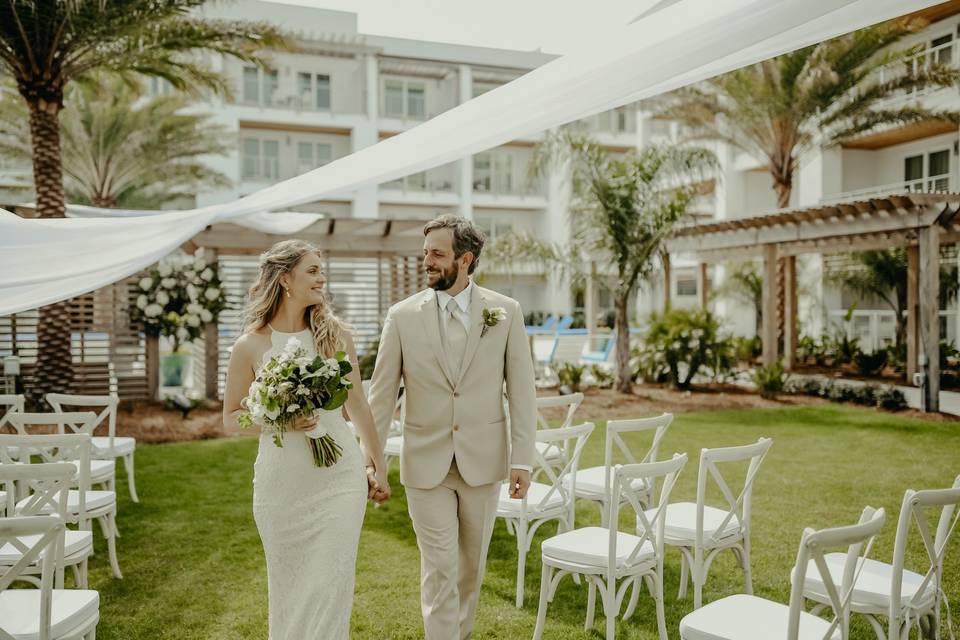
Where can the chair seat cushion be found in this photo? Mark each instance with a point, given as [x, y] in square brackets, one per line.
[95, 500]
[744, 617]
[550, 450]
[590, 546]
[872, 589]
[681, 525]
[590, 483]
[394, 446]
[76, 543]
[101, 470]
[20, 611]
[122, 445]
[536, 494]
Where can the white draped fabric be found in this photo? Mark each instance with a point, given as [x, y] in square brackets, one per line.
[44, 261]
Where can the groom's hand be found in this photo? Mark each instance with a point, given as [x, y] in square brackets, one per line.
[519, 483]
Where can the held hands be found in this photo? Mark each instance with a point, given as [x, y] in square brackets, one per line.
[519, 483]
[378, 487]
[304, 423]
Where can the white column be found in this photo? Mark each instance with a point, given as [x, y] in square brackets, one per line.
[372, 78]
[465, 165]
[819, 175]
[366, 202]
[557, 231]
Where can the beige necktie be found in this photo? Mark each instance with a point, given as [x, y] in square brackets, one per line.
[456, 337]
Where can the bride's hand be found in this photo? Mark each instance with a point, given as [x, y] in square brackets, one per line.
[304, 423]
[378, 487]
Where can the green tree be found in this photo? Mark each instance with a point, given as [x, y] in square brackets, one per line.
[624, 207]
[46, 44]
[120, 149]
[821, 95]
[743, 283]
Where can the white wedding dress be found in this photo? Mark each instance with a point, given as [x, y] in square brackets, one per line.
[309, 520]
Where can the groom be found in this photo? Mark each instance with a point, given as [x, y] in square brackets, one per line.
[455, 344]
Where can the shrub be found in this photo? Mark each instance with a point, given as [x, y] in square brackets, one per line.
[770, 380]
[842, 393]
[867, 395]
[571, 376]
[842, 347]
[805, 386]
[897, 357]
[678, 344]
[812, 351]
[747, 349]
[603, 377]
[892, 399]
[870, 364]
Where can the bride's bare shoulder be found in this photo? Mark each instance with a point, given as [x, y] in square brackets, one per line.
[252, 343]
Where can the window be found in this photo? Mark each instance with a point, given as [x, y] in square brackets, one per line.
[403, 99]
[271, 83]
[493, 228]
[304, 89]
[250, 158]
[503, 174]
[323, 92]
[260, 159]
[686, 286]
[416, 101]
[493, 172]
[417, 181]
[251, 85]
[481, 88]
[271, 159]
[310, 155]
[393, 99]
[482, 177]
[941, 50]
[927, 172]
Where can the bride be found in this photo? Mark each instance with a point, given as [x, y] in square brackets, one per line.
[308, 517]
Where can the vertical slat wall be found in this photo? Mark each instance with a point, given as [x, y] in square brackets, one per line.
[362, 289]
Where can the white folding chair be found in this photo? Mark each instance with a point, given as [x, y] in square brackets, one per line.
[83, 504]
[102, 472]
[111, 446]
[908, 598]
[555, 455]
[594, 483]
[543, 502]
[701, 531]
[10, 404]
[45, 613]
[393, 447]
[743, 616]
[606, 556]
[46, 486]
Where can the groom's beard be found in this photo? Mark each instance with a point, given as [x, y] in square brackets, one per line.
[447, 278]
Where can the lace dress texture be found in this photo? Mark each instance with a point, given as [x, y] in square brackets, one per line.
[309, 520]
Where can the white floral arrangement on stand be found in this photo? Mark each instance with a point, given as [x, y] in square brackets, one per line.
[179, 298]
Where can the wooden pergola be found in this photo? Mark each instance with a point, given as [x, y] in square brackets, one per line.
[919, 222]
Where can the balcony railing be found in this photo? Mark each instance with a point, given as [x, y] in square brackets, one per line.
[933, 184]
[407, 185]
[945, 54]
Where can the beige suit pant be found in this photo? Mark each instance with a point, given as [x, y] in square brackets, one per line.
[453, 522]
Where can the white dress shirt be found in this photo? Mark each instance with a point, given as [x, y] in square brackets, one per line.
[462, 314]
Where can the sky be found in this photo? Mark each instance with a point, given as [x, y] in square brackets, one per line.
[550, 25]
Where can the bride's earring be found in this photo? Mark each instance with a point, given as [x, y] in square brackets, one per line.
[287, 291]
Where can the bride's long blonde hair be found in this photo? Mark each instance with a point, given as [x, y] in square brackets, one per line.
[266, 294]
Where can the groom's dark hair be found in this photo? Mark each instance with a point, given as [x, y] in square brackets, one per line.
[466, 236]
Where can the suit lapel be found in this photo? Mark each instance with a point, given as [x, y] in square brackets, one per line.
[477, 303]
[429, 314]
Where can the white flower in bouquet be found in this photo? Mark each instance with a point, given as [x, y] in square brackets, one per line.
[146, 283]
[293, 408]
[207, 274]
[164, 269]
[162, 298]
[193, 321]
[153, 310]
[141, 302]
[182, 334]
[199, 264]
[192, 292]
[194, 308]
[168, 283]
[212, 293]
[206, 315]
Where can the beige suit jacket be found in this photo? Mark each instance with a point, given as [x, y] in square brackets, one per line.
[456, 413]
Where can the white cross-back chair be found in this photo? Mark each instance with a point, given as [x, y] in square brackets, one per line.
[45, 613]
[748, 617]
[102, 472]
[10, 404]
[393, 447]
[701, 531]
[908, 598]
[83, 504]
[46, 486]
[545, 501]
[554, 454]
[611, 560]
[111, 446]
[594, 483]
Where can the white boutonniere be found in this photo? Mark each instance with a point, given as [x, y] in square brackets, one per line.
[492, 317]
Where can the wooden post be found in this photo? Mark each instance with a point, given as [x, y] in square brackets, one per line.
[590, 301]
[153, 367]
[929, 242]
[913, 295]
[211, 346]
[770, 294]
[789, 311]
[703, 285]
[667, 282]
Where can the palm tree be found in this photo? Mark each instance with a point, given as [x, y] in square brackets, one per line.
[744, 283]
[822, 95]
[46, 44]
[122, 150]
[625, 206]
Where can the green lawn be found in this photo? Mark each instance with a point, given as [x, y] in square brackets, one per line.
[193, 566]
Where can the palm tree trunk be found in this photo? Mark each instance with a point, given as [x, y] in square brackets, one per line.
[624, 372]
[54, 369]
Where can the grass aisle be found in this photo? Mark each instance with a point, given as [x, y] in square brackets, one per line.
[194, 567]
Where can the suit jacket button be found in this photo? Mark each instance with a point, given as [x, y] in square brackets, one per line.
[456, 427]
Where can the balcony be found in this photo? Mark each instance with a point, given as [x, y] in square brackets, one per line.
[945, 54]
[508, 194]
[420, 188]
[933, 184]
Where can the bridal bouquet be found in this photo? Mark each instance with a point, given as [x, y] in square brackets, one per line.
[291, 385]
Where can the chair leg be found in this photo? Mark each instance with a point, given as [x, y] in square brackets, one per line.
[684, 576]
[109, 527]
[696, 574]
[658, 600]
[545, 579]
[522, 548]
[591, 604]
[609, 594]
[877, 627]
[634, 597]
[128, 465]
[747, 572]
